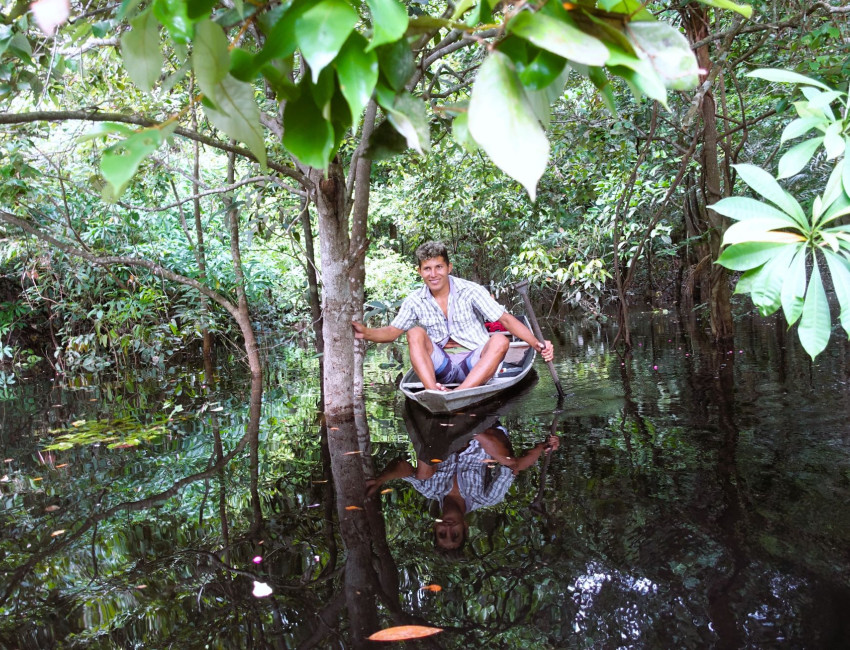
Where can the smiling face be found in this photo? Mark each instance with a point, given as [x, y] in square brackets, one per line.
[435, 272]
[450, 533]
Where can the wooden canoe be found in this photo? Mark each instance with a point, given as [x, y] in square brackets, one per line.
[516, 366]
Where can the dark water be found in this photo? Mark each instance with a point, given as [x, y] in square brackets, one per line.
[699, 498]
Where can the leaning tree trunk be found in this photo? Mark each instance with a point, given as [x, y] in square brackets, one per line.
[695, 23]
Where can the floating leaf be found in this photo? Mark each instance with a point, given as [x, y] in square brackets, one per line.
[261, 590]
[51, 509]
[436, 460]
[432, 588]
[352, 453]
[387, 491]
[353, 508]
[56, 533]
[404, 633]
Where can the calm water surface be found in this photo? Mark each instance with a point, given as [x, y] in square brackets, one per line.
[699, 498]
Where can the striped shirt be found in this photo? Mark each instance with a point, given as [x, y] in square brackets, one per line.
[469, 303]
[480, 483]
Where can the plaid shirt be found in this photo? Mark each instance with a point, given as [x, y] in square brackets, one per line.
[480, 484]
[468, 304]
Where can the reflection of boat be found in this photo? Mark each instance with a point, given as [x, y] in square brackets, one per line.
[515, 368]
[438, 436]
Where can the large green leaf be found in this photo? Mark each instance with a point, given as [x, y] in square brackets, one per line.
[358, 73]
[210, 58]
[599, 79]
[833, 140]
[798, 157]
[744, 10]
[236, 113]
[637, 72]
[815, 324]
[794, 287]
[749, 255]
[560, 37]
[743, 207]
[800, 126]
[766, 290]
[385, 142]
[140, 51]
[389, 22]
[173, 15]
[762, 229]
[541, 100]
[839, 269]
[322, 30]
[668, 51]
[766, 185]
[542, 70]
[786, 76]
[460, 132]
[396, 63]
[281, 41]
[503, 122]
[409, 117]
[120, 161]
[307, 135]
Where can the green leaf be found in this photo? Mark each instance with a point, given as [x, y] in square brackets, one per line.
[385, 142]
[798, 157]
[743, 207]
[815, 323]
[766, 290]
[396, 63]
[765, 184]
[760, 229]
[236, 113]
[845, 175]
[197, 9]
[243, 65]
[745, 10]
[460, 133]
[281, 41]
[839, 269]
[307, 135]
[833, 141]
[668, 51]
[102, 129]
[140, 51]
[120, 161]
[322, 30]
[749, 255]
[210, 59]
[639, 74]
[541, 100]
[560, 37]
[542, 70]
[408, 115]
[389, 22]
[794, 287]
[503, 122]
[358, 73]
[785, 76]
[173, 15]
[799, 127]
[599, 79]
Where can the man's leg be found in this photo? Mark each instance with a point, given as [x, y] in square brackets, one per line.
[421, 348]
[491, 356]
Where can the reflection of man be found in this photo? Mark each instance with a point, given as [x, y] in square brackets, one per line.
[450, 345]
[465, 481]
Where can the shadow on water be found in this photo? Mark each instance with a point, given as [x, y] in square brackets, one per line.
[699, 498]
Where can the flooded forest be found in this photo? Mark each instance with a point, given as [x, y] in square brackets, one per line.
[237, 406]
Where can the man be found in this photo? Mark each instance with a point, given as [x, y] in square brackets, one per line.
[450, 344]
[465, 481]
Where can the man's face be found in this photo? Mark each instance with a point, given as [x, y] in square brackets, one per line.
[450, 533]
[435, 273]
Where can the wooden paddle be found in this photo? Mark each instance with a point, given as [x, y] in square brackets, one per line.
[522, 288]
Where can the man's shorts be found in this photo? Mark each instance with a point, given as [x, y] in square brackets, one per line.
[453, 366]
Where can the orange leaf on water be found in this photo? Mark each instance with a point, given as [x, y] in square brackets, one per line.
[62, 465]
[351, 453]
[387, 491]
[436, 460]
[51, 509]
[404, 633]
[434, 588]
[56, 533]
[353, 508]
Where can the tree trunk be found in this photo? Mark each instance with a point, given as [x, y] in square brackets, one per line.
[696, 25]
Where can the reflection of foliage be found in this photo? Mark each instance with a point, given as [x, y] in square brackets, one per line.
[117, 433]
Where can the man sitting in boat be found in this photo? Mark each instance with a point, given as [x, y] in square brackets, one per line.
[477, 476]
[450, 344]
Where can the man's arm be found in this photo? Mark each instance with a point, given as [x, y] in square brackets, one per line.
[518, 329]
[397, 469]
[377, 334]
[523, 462]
